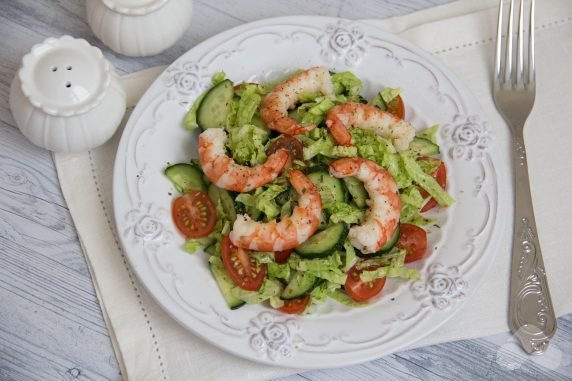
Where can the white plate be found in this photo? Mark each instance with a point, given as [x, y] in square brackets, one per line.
[460, 251]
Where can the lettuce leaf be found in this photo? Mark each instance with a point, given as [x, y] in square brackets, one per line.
[192, 245]
[218, 77]
[190, 119]
[321, 292]
[379, 149]
[425, 181]
[348, 84]
[247, 144]
[279, 270]
[350, 255]
[392, 266]
[326, 147]
[249, 101]
[410, 215]
[341, 297]
[385, 96]
[270, 288]
[326, 268]
[430, 133]
[412, 196]
[344, 212]
[263, 200]
[314, 112]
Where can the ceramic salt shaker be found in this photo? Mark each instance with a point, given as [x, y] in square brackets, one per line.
[139, 28]
[66, 97]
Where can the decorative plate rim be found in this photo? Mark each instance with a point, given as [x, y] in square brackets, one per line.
[274, 338]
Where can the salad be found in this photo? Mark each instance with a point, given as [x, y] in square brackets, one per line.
[304, 190]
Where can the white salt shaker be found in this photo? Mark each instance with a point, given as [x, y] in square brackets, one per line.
[66, 97]
[139, 28]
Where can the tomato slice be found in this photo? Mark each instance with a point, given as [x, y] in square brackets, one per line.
[359, 290]
[282, 256]
[289, 143]
[295, 306]
[397, 107]
[413, 239]
[242, 268]
[194, 214]
[440, 175]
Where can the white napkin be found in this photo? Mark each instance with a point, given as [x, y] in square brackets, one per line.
[151, 346]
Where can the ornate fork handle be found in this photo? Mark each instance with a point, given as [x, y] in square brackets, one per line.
[531, 315]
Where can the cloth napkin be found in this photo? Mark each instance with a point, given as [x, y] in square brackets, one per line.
[151, 346]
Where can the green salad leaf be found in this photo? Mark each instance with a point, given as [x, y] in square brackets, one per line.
[326, 268]
[263, 200]
[348, 84]
[247, 144]
[426, 181]
[343, 212]
[430, 133]
[270, 288]
[384, 97]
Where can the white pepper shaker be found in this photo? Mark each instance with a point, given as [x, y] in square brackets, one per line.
[66, 96]
[139, 28]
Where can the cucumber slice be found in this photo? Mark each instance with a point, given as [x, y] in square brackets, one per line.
[216, 194]
[357, 191]
[384, 249]
[215, 106]
[185, 177]
[323, 243]
[225, 284]
[300, 285]
[331, 189]
[423, 147]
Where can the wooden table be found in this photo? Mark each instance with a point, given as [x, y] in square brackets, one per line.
[51, 326]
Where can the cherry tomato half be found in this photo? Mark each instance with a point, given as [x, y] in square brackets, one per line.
[295, 306]
[194, 214]
[396, 107]
[289, 143]
[413, 239]
[242, 268]
[359, 290]
[440, 175]
[282, 256]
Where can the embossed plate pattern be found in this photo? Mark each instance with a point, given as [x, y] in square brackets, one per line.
[461, 248]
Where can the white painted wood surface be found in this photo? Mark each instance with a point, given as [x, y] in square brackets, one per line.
[50, 322]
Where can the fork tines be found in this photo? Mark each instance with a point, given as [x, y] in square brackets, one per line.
[514, 54]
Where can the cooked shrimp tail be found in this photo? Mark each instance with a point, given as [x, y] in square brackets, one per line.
[275, 106]
[384, 203]
[341, 117]
[290, 231]
[225, 173]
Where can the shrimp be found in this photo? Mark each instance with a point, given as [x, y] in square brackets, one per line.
[291, 231]
[274, 109]
[346, 115]
[382, 216]
[225, 173]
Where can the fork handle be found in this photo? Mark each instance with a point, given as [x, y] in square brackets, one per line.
[531, 315]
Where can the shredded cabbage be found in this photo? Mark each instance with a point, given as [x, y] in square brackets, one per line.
[326, 268]
[426, 181]
[343, 212]
[263, 200]
[346, 83]
[430, 133]
[247, 144]
[270, 288]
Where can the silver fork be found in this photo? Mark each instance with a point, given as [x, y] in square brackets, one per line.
[531, 315]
